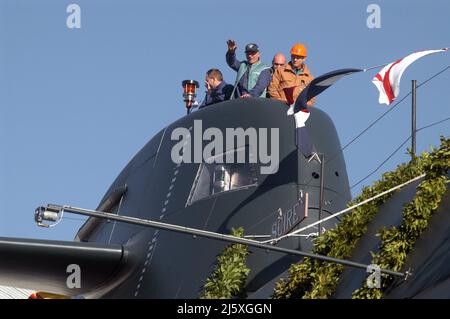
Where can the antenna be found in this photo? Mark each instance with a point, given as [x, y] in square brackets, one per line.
[413, 120]
[206, 234]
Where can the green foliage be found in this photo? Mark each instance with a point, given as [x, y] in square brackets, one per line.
[231, 272]
[397, 242]
[298, 283]
[317, 279]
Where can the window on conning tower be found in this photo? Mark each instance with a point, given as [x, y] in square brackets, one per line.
[216, 178]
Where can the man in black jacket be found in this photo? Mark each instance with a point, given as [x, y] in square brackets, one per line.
[217, 89]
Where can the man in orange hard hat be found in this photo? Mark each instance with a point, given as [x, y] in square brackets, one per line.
[290, 80]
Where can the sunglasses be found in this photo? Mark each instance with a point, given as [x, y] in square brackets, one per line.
[278, 64]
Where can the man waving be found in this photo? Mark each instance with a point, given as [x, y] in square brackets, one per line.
[253, 76]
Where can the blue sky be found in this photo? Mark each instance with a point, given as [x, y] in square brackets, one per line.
[77, 104]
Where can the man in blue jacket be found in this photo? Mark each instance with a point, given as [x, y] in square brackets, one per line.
[217, 89]
[253, 76]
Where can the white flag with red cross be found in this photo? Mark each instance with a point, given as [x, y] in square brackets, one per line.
[387, 80]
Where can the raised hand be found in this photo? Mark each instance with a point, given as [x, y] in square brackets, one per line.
[207, 86]
[231, 45]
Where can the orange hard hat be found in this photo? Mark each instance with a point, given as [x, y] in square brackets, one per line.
[299, 49]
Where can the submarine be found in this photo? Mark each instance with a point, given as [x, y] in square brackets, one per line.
[268, 194]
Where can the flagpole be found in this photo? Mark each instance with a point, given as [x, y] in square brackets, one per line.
[382, 65]
[322, 178]
[375, 67]
[413, 120]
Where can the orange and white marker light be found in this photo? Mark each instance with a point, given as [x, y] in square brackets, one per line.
[189, 92]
